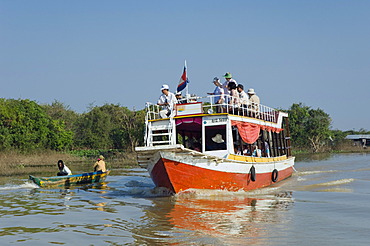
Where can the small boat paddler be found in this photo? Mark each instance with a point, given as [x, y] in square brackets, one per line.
[63, 169]
[100, 164]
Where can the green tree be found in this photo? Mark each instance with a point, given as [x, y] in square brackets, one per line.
[59, 111]
[93, 129]
[110, 127]
[25, 125]
[309, 127]
[133, 128]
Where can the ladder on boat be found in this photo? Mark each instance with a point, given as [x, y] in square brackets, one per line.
[161, 133]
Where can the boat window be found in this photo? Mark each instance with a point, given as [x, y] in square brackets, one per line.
[189, 132]
[215, 137]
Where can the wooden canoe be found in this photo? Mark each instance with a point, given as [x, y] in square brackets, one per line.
[69, 180]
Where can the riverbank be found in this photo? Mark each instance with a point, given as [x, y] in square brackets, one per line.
[15, 163]
[343, 148]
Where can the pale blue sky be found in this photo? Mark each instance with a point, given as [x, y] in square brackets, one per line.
[121, 52]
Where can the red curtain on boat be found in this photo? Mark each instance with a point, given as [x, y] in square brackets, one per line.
[250, 132]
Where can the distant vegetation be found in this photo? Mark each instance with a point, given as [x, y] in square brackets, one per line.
[310, 130]
[26, 126]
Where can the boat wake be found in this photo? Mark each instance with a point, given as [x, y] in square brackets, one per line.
[225, 195]
[26, 185]
[304, 173]
[135, 183]
[328, 186]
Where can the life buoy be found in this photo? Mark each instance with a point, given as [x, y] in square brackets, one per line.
[252, 173]
[275, 175]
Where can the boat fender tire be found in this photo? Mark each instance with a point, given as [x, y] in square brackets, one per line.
[275, 175]
[252, 173]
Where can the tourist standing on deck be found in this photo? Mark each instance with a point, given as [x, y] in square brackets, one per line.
[167, 100]
[254, 102]
[179, 98]
[219, 94]
[244, 98]
[234, 96]
[229, 78]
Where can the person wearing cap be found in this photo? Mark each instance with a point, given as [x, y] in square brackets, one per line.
[100, 164]
[228, 78]
[179, 98]
[167, 101]
[254, 101]
[63, 169]
[219, 94]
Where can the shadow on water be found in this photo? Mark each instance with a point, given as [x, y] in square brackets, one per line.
[215, 217]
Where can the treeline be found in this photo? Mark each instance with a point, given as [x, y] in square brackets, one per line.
[25, 125]
[310, 129]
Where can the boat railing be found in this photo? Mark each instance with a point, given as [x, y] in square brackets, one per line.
[208, 106]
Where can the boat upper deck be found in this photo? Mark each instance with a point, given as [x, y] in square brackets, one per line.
[197, 106]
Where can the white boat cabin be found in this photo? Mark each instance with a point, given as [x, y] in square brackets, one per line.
[219, 129]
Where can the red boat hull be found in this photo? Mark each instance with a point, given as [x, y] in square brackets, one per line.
[177, 177]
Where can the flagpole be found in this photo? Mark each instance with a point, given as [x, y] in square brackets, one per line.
[187, 84]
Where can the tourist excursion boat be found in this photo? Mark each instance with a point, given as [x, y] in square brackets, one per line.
[202, 145]
[70, 180]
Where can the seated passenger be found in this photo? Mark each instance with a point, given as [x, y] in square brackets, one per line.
[167, 100]
[267, 149]
[63, 169]
[217, 143]
[197, 147]
[237, 150]
[256, 152]
[100, 164]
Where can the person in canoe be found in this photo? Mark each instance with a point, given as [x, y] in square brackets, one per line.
[100, 164]
[63, 169]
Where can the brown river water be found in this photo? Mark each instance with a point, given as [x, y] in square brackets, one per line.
[326, 202]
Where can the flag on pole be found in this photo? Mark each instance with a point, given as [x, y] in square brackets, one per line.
[183, 80]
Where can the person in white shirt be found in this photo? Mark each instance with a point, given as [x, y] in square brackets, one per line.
[63, 169]
[243, 97]
[167, 100]
[254, 102]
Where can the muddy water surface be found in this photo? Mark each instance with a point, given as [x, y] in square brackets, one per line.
[326, 202]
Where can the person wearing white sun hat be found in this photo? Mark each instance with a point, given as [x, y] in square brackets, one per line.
[167, 101]
[254, 102]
